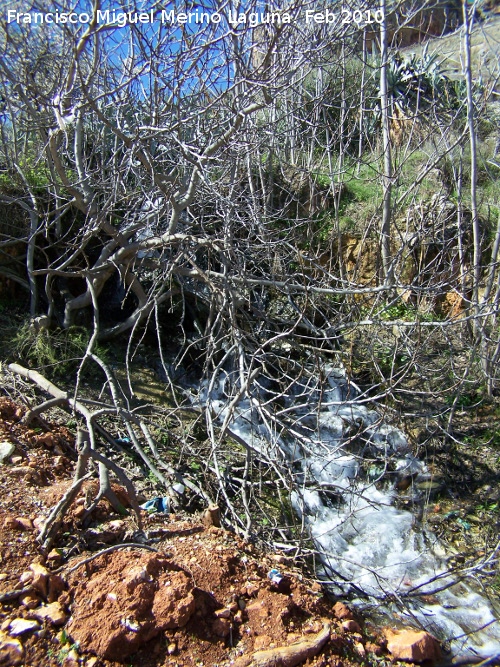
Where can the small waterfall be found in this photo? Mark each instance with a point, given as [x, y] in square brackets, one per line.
[346, 460]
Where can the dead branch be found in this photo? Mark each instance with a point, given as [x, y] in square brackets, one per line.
[288, 656]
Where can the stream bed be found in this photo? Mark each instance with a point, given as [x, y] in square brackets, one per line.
[346, 462]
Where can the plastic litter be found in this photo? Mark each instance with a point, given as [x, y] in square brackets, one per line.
[275, 576]
[157, 505]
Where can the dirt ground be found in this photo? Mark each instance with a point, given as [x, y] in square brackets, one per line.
[192, 594]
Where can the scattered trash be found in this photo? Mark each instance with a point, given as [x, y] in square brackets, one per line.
[157, 505]
[450, 515]
[465, 524]
[279, 581]
[122, 441]
[275, 577]
[178, 488]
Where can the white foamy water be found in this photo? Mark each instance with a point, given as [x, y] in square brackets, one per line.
[345, 461]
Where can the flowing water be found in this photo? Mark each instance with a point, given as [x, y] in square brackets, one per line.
[345, 461]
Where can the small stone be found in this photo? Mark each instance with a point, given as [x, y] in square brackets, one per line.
[29, 601]
[10, 523]
[23, 523]
[251, 590]
[11, 651]
[26, 577]
[238, 617]
[262, 641]
[47, 439]
[171, 648]
[221, 627]
[360, 649]
[211, 517]
[20, 626]
[56, 587]
[40, 578]
[351, 626]
[223, 613]
[413, 646]
[53, 613]
[16, 460]
[71, 660]
[54, 556]
[374, 648]
[3, 576]
[279, 558]
[91, 662]
[342, 612]
[39, 522]
[6, 450]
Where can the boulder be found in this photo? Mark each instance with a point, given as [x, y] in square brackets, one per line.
[413, 646]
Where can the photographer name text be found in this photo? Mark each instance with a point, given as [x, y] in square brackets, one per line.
[111, 17]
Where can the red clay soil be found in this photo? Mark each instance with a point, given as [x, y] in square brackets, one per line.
[198, 596]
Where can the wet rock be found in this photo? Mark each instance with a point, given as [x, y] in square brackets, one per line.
[6, 450]
[53, 613]
[21, 626]
[342, 612]
[11, 651]
[127, 600]
[374, 648]
[351, 626]
[413, 646]
[360, 649]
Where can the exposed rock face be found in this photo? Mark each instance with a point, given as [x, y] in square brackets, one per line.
[413, 646]
[127, 599]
